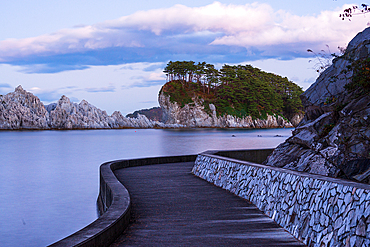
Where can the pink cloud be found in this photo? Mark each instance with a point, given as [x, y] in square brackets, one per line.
[251, 25]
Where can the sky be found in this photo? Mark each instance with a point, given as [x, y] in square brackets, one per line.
[112, 52]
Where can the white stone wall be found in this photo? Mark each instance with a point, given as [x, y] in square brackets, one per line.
[317, 210]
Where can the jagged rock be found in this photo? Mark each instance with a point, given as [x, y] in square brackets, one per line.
[119, 120]
[51, 107]
[68, 115]
[22, 110]
[331, 82]
[296, 119]
[333, 139]
[194, 115]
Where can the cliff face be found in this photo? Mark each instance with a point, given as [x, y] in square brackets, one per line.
[334, 136]
[194, 115]
[23, 110]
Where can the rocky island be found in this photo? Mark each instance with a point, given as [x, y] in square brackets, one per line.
[334, 136]
[198, 95]
[23, 110]
[235, 97]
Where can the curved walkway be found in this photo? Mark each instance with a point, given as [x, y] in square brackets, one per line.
[172, 207]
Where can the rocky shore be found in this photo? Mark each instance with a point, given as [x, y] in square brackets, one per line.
[194, 115]
[23, 110]
[333, 139]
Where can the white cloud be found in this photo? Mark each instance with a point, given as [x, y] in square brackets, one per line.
[296, 70]
[216, 17]
[254, 25]
[110, 89]
[326, 28]
[45, 95]
[156, 76]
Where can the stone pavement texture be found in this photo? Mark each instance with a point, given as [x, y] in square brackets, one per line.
[172, 207]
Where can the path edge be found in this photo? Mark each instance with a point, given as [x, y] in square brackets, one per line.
[114, 204]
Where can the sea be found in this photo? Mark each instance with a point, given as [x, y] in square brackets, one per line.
[49, 180]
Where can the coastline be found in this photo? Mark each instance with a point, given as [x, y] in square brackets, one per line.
[21, 110]
[166, 128]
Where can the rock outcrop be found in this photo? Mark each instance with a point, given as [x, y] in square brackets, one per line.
[23, 110]
[194, 115]
[334, 136]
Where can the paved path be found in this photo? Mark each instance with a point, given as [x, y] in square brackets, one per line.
[172, 207]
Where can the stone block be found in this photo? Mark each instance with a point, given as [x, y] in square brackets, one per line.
[324, 220]
[326, 239]
[340, 202]
[341, 232]
[338, 223]
[361, 228]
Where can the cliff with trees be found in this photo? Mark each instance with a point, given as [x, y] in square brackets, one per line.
[199, 95]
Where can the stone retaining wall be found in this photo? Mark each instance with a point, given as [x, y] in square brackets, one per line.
[317, 210]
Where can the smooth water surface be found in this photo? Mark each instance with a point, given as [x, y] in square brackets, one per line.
[49, 180]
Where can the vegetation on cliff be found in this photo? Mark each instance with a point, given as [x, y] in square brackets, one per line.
[333, 138]
[239, 90]
[360, 83]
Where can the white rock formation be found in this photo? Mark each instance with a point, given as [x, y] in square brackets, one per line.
[23, 110]
[193, 115]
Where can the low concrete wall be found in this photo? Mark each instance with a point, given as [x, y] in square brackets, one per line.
[318, 210]
[252, 155]
[113, 203]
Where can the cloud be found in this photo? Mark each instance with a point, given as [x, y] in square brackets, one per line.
[74, 99]
[154, 67]
[4, 88]
[147, 80]
[46, 95]
[223, 33]
[309, 80]
[141, 82]
[107, 89]
[5, 85]
[295, 79]
[50, 95]
[148, 67]
[50, 68]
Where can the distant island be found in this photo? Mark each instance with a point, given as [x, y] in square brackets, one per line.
[195, 95]
[154, 113]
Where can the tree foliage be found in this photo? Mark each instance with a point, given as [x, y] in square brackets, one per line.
[360, 80]
[238, 90]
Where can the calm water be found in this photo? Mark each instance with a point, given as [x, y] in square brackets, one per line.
[49, 180]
